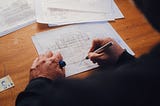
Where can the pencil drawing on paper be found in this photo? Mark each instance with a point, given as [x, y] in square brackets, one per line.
[74, 42]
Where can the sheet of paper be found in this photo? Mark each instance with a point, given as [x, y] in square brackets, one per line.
[63, 17]
[60, 16]
[15, 14]
[74, 41]
[6, 83]
[81, 5]
[117, 14]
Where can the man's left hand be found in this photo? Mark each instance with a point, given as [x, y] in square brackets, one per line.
[47, 65]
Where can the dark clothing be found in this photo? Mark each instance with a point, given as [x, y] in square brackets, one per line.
[132, 81]
[150, 9]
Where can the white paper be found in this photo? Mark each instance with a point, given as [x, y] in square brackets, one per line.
[117, 14]
[81, 5]
[15, 14]
[73, 42]
[60, 16]
[63, 17]
[6, 83]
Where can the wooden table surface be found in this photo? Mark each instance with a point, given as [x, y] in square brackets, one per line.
[17, 50]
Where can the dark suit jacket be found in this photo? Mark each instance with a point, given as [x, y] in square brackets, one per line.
[131, 82]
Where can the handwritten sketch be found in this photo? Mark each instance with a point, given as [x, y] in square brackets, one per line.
[74, 42]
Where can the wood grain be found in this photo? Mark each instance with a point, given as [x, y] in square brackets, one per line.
[17, 50]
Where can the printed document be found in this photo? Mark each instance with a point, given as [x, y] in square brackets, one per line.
[81, 5]
[15, 14]
[62, 16]
[74, 42]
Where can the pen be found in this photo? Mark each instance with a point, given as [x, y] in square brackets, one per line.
[102, 48]
[62, 63]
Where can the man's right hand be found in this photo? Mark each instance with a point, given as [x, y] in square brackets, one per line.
[109, 56]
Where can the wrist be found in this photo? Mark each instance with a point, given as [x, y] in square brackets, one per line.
[124, 58]
[116, 54]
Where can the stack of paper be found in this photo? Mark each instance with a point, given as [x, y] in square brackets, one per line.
[61, 12]
[15, 14]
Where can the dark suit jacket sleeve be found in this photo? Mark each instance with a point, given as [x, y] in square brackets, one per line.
[133, 82]
[33, 94]
[38, 90]
[125, 58]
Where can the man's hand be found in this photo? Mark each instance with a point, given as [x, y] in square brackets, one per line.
[107, 57]
[47, 65]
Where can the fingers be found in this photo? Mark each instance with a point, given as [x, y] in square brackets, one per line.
[93, 56]
[60, 61]
[34, 63]
[48, 54]
[99, 42]
[47, 65]
[102, 58]
[95, 44]
[56, 58]
[108, 56]
[47, 58]
[59, 56]
[96, 58]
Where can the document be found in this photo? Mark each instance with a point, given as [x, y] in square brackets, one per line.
[15, 14]
[74, 42]
[81, 5]
[6, 83]
[117, 14]
[62, 16]
[95, 17]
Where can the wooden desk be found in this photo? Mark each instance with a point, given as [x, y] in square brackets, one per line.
[17, 50]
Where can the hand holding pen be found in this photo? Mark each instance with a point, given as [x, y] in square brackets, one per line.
[104, 51]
